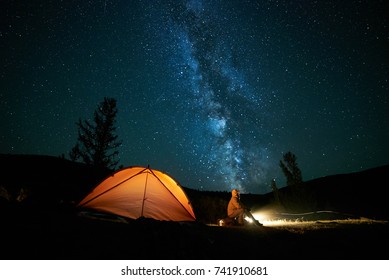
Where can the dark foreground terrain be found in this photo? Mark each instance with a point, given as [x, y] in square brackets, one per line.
[39, 220]
[65, 234]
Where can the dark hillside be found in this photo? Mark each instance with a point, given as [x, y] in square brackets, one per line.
[361, 194]
[45, 179]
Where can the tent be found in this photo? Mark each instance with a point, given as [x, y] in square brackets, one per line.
[136, 192]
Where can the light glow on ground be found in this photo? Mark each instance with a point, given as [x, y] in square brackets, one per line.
[273, 219]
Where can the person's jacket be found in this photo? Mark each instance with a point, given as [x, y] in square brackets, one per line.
[234, 204]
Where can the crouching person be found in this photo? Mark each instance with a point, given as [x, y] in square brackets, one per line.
[236, 210]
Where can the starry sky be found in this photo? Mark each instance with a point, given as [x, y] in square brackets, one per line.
[211, 92]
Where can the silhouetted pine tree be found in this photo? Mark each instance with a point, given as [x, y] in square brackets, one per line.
[97, 142]
[291, 170]
[297, 199]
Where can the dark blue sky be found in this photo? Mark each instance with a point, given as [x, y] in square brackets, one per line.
[211, 92]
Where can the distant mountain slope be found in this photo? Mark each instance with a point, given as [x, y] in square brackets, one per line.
[48, 179]
[362, 193]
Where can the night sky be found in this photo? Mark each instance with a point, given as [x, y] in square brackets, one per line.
[210, 92]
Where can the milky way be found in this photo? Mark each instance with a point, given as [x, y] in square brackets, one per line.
[217, 94]
[210, 92]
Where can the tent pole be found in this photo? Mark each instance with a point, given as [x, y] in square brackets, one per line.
[144, 194]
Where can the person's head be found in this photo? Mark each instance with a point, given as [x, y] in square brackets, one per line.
[235, 193]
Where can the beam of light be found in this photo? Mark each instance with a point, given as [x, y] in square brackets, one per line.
[275, 219]
[272, 218]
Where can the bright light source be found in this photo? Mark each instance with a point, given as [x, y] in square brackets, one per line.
[274, 219]
[260, 216]
[267, 218]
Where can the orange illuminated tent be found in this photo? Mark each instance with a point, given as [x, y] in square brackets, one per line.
[136, 192]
